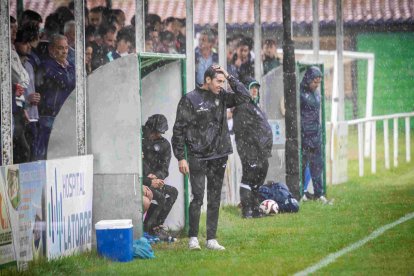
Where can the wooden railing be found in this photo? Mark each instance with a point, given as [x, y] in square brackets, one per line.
[371, 124]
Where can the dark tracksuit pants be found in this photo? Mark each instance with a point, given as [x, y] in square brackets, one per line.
[313, 158]
[254, 175]
[21, 149]
[31, 137]
[214, 171]
[157, 213]
[44, 131]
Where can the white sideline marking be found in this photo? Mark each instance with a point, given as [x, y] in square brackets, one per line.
[332, 257]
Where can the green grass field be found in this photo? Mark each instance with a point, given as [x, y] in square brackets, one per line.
[288, 243]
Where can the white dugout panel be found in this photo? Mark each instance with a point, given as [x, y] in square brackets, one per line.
[160, 94]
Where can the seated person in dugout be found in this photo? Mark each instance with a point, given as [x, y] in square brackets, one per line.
[156, 152]
[146, 198]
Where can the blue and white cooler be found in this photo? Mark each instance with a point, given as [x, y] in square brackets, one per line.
[114, 239]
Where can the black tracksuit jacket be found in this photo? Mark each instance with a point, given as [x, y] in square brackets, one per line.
[201, 122]
[157, 156]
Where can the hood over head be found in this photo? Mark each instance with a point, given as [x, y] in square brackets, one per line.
[312, 73]
[157, 122]
[249, 82]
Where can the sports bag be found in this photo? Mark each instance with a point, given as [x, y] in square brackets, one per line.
[280, 193]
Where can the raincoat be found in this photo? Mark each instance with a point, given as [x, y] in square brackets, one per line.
[311, 131]
[310, 107]
[253, 133]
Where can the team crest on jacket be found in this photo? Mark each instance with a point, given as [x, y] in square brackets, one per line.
[217, 102]
[157, 147]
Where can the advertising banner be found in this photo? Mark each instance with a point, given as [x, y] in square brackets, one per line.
[14, 200]
[69, 205]
[278, 129]
[32, 223]
[7, 254]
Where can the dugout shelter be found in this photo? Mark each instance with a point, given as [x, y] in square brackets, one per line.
[120, 97]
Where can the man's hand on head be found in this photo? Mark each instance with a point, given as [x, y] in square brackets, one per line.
[221, 70]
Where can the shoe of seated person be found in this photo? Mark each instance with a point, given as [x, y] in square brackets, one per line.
[163, 234]
[214, 245]
[151, 238]
[193, 244]
[171, 233]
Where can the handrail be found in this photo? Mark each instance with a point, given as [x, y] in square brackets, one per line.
[349, 54]
[381, 117]
[370, 124]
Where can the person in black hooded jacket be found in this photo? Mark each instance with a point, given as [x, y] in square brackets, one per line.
[311, 130]
[254, 140]
[156, 151]
[201, 126]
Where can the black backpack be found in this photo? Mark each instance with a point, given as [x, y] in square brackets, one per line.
[280, 193]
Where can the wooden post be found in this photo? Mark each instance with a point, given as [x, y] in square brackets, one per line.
[361, 148]
[395, 142]
[374, 147]
[386, 145]
[407, 140]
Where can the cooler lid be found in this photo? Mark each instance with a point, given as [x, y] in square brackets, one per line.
[113, 224]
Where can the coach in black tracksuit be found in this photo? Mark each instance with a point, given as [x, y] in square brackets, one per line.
[254, 140]
[156, 152]
[201, 125]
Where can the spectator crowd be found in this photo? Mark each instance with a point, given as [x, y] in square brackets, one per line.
[43, 62]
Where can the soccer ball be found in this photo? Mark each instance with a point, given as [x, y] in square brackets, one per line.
[269, 206]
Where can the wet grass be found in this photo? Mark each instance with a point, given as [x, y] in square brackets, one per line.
[288, 243]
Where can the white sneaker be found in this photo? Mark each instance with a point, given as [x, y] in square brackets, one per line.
[323, 200]
[193, 244]
[214, 245]
[304, 198]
